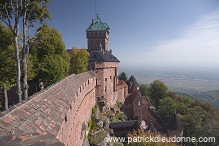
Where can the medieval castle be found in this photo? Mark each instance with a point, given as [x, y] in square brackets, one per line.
[59, 114]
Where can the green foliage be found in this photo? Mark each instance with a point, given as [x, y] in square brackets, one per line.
[93, 125]
[79, 60]
[95, 108]
[199, 119]
[166, 108]
[182, 109]
[7, 61]
[144, 90]
[22, 15]
[109, 114]
[49, 59]
[119, 117]
[34, 10]
[157, 90]
[123, 76]
[201, 122]
[118, 104]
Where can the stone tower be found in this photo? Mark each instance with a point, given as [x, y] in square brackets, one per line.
[174, 127]
[97, 33]
[103, 63]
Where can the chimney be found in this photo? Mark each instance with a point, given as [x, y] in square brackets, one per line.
[92, 21]
[110, 51]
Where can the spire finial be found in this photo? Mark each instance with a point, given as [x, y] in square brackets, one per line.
[96, 8]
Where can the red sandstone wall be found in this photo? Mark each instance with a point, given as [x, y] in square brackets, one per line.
[71, 133]
[107, 81]
[120, 95]
[95, 38]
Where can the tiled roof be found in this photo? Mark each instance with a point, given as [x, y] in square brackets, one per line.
[122, 124]
[175, 123]
[98, 25]
[156, 117]
[145, 101]
[33, 139]
[122, 84]
[101, 57]
[45, 111]
[131, 97]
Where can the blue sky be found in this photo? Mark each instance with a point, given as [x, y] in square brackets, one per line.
[146, 33]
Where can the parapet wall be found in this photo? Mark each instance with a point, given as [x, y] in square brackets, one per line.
[60, 112]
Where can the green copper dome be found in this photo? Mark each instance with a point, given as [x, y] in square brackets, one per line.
[98, 25]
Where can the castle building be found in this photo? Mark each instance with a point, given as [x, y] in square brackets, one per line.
[136, 107]
[59, 114]
[97, 33]
[105, 65]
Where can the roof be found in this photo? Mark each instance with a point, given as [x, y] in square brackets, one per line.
[174, 123]
[102, 56]
[99, 56]
[131, 97]
[145, 101]
[156, 117]
[133, 80]
[122, 84]
[33, 139]
[98, 25]
[120, 124]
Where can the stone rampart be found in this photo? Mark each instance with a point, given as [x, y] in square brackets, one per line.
[60, 113]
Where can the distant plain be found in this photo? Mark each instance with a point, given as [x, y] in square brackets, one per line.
[199, 84]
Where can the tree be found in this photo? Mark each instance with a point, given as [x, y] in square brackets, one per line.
[22, 12]
[48, 57]
[166, 108]
[123, 76]
[7, 62]
[79, 60]
[157, 90]
[144, 90]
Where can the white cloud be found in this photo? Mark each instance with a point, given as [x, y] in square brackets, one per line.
[198, 45]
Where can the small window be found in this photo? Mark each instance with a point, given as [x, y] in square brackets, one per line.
[65, 118]
[88, 82]
[105, 79]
